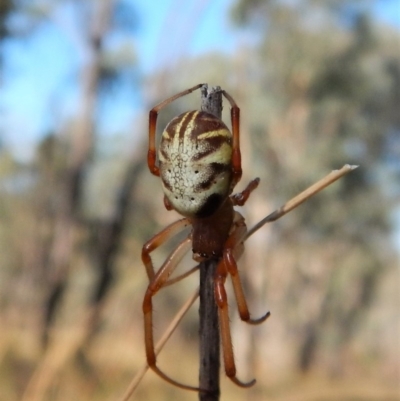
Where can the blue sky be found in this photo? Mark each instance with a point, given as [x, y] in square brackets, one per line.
[213, 30]
[207, 21]
[40, 68]
[36, 90]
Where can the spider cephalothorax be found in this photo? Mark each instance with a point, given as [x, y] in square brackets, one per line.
[199, 165]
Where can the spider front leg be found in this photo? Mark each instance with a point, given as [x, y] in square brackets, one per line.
[151, 154]
[156, 283]
[236, 155]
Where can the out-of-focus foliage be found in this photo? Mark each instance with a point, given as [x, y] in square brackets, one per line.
[320, 88]
[325, 93]
[5, 7]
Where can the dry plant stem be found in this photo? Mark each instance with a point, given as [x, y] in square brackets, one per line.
[287, 207]
[209, 334]
[171, 328]
[302, 197]
[211, 102]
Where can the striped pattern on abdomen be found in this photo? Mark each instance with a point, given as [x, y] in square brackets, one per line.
[195, 163]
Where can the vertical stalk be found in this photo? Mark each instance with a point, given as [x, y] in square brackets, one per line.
[211, 102]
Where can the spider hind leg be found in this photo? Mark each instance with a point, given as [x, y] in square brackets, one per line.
[227, 265]
[226, 340]
[157, 281]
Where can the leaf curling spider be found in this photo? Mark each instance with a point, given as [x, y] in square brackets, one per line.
[199, 165]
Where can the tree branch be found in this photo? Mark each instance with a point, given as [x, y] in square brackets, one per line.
[211, 102]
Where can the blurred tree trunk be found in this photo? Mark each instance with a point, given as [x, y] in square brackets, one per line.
[67, 222]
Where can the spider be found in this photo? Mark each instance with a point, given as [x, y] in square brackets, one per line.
[199, 164]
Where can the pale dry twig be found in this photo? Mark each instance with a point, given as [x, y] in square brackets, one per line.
[167, 334]
[278, 213]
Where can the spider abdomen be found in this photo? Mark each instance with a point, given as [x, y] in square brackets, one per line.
[195, 163]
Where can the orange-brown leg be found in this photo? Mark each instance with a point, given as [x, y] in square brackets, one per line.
[240, 198]
[182, 276]
[228, 266]
[226, 340]
[151, 154]
[155, 285]
[236, 156]
[235, 241]
[244, 313]
[158, 240]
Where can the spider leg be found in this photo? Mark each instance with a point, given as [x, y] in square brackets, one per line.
[232, 250]
[226, 340]
[156, 283]
[240, 198]
[244, 313]
[151, 154]
[226, 266]
[158, 240]
[236, 157]
[182, 276]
